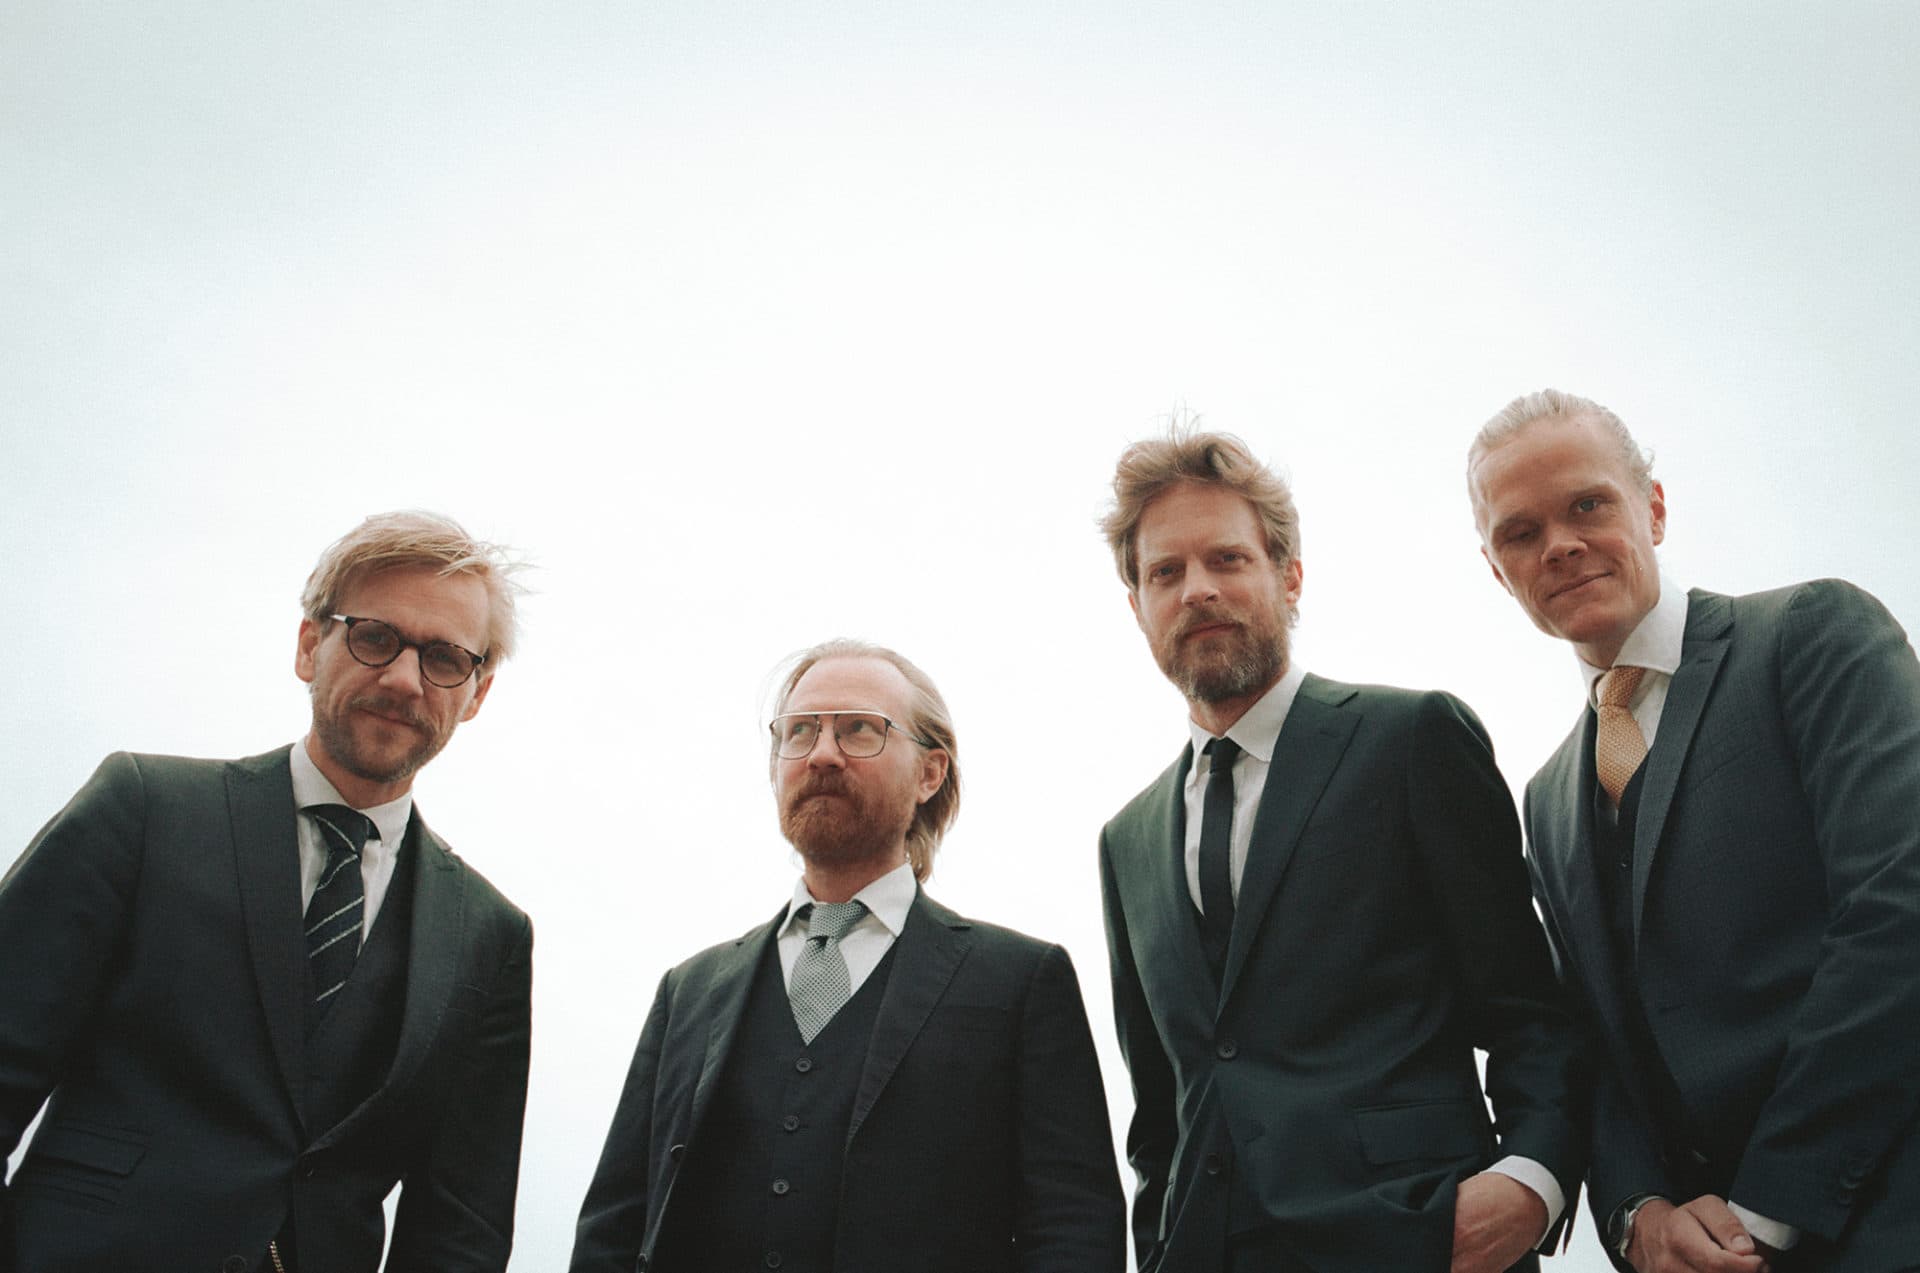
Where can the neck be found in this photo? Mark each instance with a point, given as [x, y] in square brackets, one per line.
[839, 881]
[361, 793]
[1218, 716]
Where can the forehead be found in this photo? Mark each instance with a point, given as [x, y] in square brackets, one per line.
[852, 682]
[1191, 516]
[422, 603]
[1547, 459]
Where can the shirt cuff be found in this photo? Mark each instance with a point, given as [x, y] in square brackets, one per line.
[1781, 1237]
[1541, 1181]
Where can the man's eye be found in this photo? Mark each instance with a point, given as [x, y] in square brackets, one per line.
[860, 725]
[797, 729]
[1587, 505]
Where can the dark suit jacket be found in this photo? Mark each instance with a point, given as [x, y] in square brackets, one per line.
[979, 1138]
[1776, 916]
[1383, 932]
[155, 964]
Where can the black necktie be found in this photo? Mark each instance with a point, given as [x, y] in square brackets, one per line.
[337, 911]
[1216, 854]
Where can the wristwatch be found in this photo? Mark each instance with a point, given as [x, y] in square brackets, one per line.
[1620, 1223]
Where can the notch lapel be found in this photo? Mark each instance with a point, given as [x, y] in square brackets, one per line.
[1704, 647]
[266, 853]
[1563, 830]
[1319, 726]
[725, 1005]
[929, 950]
[1153, 878]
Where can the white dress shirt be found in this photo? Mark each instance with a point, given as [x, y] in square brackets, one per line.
[377, 860]
[888, 900]
[1655, 644]
[1257, 732]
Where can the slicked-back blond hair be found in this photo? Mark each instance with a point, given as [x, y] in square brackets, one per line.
[929, 720]
[1149, 469]
[1554, 404]
[414, 537]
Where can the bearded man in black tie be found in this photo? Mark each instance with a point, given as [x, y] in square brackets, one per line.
[1727, 852]
[1315, 916]
[868, 1081]
[254, 996]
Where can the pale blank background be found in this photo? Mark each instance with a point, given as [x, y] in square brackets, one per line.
[755, 323]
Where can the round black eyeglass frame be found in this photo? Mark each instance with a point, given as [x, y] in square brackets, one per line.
[402, 645]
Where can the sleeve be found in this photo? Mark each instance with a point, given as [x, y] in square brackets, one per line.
[64, 908]
[1152, 1134]
[613, 1218]
[456, 1204]
[1071, 1216]
[1849, 1082]
[1516, 1011]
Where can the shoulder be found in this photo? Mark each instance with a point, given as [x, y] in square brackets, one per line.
[702, 964]
[993, 942]
[1391, 706]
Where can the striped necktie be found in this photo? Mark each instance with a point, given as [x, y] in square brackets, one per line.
[336, 914]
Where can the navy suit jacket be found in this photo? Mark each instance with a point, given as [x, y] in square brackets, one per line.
[153, 999]
[1383, 932]
[1776, 922]
[979, 1138]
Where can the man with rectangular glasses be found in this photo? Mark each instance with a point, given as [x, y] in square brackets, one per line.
[867, 1081]
[254, 996]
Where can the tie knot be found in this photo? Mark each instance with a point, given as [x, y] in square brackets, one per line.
[831, 920]
[341, 828]
[1224, 752]
[1618, 685]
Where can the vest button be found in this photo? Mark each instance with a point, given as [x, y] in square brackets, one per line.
[1215, 1164]
[773, 1259]
[803, 1064]
[791, 1123]
[1227, 1050]
[781, 1186]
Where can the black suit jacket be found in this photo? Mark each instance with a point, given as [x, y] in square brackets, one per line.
[151, 936]
[979, 1138]
[1383, 932]
[1776, 920]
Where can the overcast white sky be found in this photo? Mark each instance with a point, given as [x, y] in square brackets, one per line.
[753, 324]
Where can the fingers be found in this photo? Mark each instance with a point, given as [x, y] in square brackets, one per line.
[1701, 1237]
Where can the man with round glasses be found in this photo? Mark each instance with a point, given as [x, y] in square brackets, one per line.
[256, 995]
[867, 1081]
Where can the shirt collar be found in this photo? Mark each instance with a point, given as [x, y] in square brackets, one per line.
[1259, 729]
[888, 899]
[1655, 642]
[310, 786]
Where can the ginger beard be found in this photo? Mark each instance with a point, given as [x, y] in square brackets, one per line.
[832, 818]
[335, 724]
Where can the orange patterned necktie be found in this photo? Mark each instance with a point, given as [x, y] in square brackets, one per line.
[1619, 746]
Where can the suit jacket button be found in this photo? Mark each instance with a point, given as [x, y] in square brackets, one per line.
[781, 1186]
[1214, 1164]
[791, 1123]
[1227, 1050]
[773, 1259]
[234, 1264]
[677, 1152]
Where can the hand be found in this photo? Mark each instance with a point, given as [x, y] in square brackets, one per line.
[1496, 1220]
[1701, 1237]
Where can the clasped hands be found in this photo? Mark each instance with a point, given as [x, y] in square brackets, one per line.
[1703, 1236]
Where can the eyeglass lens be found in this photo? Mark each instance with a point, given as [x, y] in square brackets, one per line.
[376, 644]
[858, 734]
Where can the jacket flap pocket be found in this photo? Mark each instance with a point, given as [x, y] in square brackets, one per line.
[102, 1149]
[1426, 1129]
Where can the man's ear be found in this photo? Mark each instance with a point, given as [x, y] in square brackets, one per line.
[933, 773]
[479, 696]
[1657, 504]
[304, 664]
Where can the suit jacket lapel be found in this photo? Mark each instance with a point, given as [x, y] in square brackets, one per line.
[1156, 846]
[725, 1004]
[1561, 820]
[1709, 622]
[1319, 726]
[266, 852]
[929, 949]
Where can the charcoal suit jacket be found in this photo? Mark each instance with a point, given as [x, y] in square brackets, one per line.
[1775, 898]
[153, 999]
[979, 1139]
[1323, 1096]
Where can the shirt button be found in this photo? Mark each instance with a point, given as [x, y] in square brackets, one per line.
[781, 1186]
[1227, 1050]
[791, 1123]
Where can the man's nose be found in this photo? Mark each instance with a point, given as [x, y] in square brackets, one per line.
[1563, 544]
[826, 753]
[1198, 587]
[403, 675]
